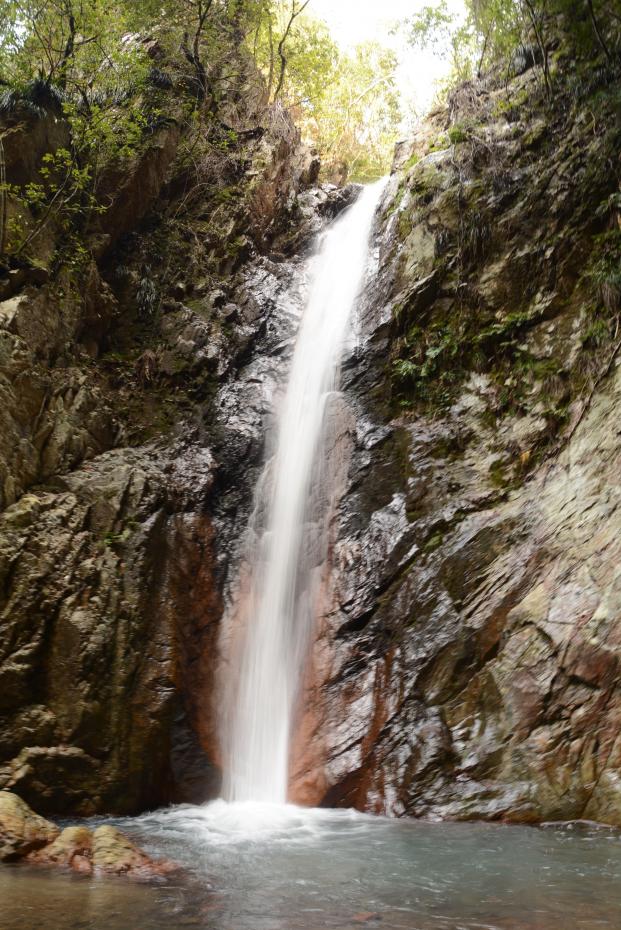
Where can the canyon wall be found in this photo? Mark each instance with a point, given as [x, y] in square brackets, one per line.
[119, 473]
[468, 658]
[467, 652]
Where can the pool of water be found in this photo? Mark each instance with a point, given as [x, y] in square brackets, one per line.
[262, 867]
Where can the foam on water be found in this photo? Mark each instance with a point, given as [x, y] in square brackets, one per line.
[243, 822]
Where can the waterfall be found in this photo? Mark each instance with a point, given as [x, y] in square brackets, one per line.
[266, 669]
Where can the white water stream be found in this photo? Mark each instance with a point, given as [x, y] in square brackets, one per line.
[279, 609]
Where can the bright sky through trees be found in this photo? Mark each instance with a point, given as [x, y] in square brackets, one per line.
[353, 21]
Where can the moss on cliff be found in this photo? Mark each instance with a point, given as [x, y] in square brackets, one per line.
[506, 223]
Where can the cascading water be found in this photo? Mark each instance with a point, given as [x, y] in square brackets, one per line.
[263, 688]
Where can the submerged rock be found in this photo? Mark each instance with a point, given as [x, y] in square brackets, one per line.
[73, 848]
[114, 854]
[104, 851]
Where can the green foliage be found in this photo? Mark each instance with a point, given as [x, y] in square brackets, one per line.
[499, 26]
[35, 97]
[405, 370]
[437, 28]
[603, 274]
[432, 27]
[64, 43]
[517, 34]
[345, 102]
[458, 134]
[146, 296]
[597, 334]
[68, 190]
[412, 161]
[360, 114]
[312, 62]
[438, 356]
[85, 62]
[89, 59]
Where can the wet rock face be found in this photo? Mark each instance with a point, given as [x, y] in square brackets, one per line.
[308, 214]
[96, 548]
[476, 664]
[52, 416]
[130, 442]
[466, 659]
[467, 664]
[112, 579]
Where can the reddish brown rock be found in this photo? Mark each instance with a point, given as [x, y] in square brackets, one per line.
[72, 848]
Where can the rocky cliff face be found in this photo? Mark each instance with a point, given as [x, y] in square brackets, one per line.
[117, 466]
[468, 659]
[466, 662]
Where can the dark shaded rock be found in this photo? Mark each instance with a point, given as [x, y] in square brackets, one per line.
[133, 190]
[29, 137]
[338, 199]
[524, 58]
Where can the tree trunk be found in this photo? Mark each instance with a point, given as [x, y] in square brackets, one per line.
[193, 54]
[482, 58]
[598, 32]
[68, 52]
[3, 196]
[281, 45]
[542, 47]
